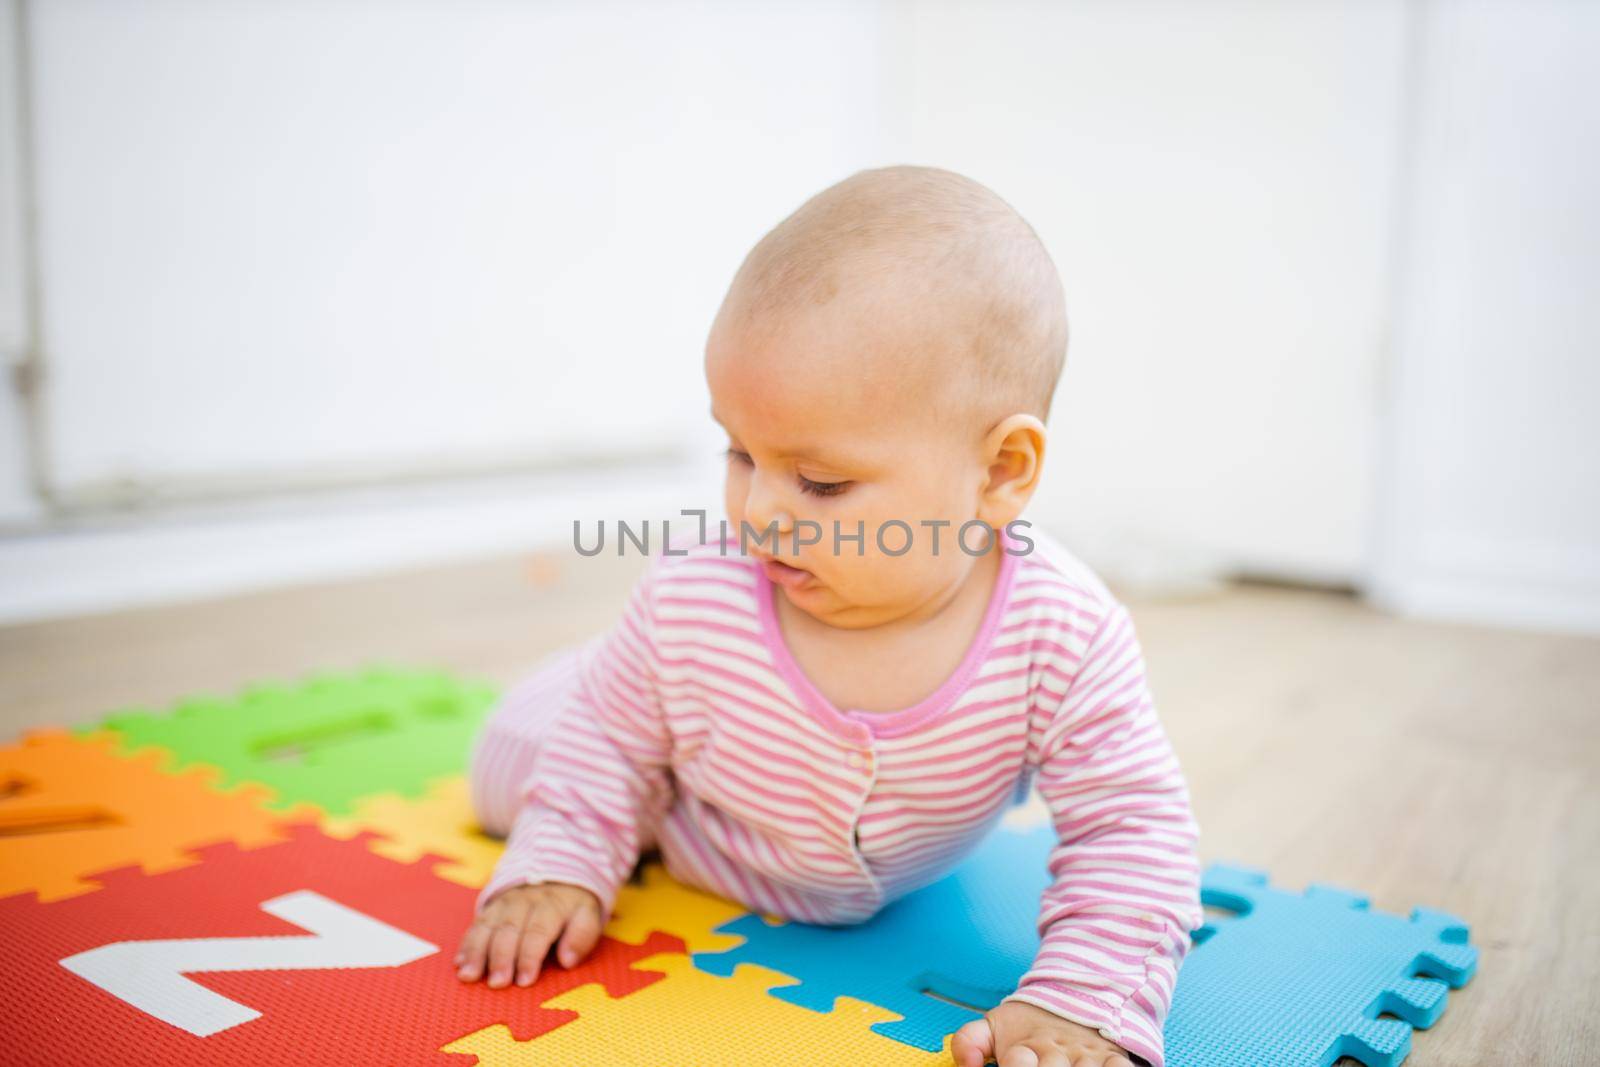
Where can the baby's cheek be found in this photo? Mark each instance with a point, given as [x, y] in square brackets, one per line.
[734, 489]
[879, 577]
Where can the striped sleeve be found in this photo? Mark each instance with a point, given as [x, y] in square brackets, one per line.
[602, 773]
[1114, 922]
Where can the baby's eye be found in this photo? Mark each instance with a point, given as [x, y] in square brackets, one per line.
[735, 454]
[821, 488]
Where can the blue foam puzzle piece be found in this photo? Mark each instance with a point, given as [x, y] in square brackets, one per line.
[967, 937]
[1294, 979]
[1305, 978]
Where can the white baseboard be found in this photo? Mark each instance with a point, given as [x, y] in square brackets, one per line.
[1575, 609]
[1546, 585]
[205, 553]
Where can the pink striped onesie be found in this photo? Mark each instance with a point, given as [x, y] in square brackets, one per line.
[689, 727]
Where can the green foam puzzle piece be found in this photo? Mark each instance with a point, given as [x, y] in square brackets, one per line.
[327, 741]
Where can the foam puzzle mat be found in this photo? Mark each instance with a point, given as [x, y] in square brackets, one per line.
[283, 877]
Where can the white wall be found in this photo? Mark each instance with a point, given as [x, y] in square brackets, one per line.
[282, 240]
[1216, 183]
[1492, 504]
[284, 244]
[17, 501]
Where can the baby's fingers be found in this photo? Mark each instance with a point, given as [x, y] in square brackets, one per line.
[1019, 1056]
[583, 930]
[474, 948]
[973, 1044]
[543, 926]
[499, 918]
[504, 939]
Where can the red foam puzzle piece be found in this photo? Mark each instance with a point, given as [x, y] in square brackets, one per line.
[388, 1015]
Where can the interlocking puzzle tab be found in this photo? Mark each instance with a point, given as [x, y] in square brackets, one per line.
[395, 1000]
[968, 938]
[657, 901]
[328, 741]
[1303, 979]
[441, 822]
[691, 1019]
[70, 805]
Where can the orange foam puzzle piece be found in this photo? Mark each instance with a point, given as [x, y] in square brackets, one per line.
[71, 805]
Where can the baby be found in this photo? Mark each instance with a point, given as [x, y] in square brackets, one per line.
[818, 734]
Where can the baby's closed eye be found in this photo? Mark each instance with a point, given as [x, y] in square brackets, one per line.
[812, 486]
[821, 488]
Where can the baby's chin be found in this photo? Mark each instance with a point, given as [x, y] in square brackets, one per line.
[810, 596]
[824, 603]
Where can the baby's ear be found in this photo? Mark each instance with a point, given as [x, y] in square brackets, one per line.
[1014, 454]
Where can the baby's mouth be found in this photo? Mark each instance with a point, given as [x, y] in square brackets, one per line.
[785, 575]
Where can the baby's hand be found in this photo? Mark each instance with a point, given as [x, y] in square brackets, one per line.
[1015, 1034]
[517, 927]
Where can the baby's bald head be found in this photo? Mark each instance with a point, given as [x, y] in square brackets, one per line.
[955, 263]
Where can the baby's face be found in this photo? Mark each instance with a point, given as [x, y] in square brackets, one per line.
[824, 427]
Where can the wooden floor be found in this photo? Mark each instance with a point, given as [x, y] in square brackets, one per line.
[1452, 766]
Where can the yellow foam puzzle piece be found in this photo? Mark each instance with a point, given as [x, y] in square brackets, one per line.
[666, 904]
[441, 822]
[694, 1019]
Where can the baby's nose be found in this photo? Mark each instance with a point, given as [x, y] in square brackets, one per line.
[764, 508]
[777, 518]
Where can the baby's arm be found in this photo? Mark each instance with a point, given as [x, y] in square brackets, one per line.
[600, 778]
[1124, 895]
